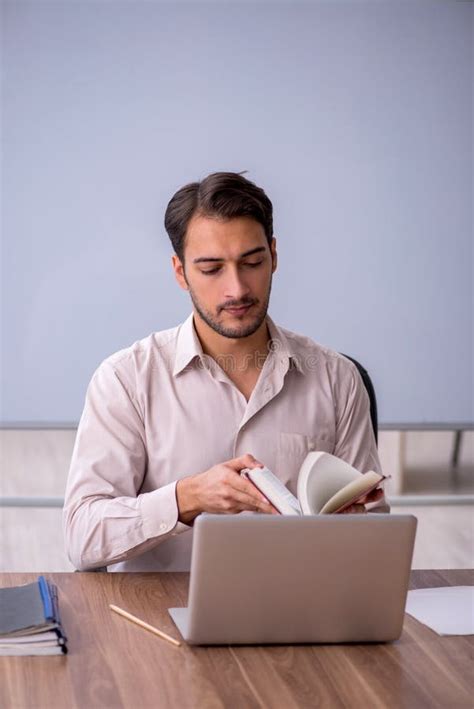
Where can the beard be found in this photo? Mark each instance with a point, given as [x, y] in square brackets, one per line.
[237, 331]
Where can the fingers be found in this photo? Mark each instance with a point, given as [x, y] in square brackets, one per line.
[373, 496]
[222, 489]
[359, 508]
[242, 501]
[249, 494]
[354, 510]
[247, 497]
[244, 461]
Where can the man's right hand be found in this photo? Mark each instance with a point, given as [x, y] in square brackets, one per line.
[221, 490]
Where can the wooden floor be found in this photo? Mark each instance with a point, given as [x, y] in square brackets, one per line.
[36, 462]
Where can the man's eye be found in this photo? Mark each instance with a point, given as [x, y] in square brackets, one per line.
[210, 271]
[251, 264]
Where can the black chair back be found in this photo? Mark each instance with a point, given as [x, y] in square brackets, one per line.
[370, 391]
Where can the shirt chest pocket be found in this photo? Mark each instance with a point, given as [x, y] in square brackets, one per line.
[292, 450]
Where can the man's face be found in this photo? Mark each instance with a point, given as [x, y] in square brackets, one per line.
[228, 271]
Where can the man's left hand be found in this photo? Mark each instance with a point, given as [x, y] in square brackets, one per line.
[359, 507]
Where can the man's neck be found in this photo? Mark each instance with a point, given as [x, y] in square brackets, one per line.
[251, 350]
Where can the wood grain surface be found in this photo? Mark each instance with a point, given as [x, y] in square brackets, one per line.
[113, 663]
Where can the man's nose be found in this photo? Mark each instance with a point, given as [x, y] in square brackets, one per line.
[235, 285]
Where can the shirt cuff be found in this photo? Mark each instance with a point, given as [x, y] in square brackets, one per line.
[159, 512]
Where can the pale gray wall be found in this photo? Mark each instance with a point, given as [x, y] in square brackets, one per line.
[356, 117]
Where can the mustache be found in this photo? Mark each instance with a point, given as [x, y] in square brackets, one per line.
[237, 304]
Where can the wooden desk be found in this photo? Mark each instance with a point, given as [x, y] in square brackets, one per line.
[113, 663]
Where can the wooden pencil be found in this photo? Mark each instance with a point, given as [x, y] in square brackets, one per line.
[142, 624]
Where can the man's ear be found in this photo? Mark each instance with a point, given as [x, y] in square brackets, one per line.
[178, 268]
[274, 254]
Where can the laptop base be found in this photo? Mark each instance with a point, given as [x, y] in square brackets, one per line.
[180, 617]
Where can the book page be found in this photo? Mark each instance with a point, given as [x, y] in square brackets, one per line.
[321, 476]
[327, 483]
[352, 492]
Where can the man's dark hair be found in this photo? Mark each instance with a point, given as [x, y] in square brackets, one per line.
[221, 195]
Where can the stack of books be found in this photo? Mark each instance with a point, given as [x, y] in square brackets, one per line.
[29, 620]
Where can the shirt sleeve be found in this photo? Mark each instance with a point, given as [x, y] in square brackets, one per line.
[105, 520]
[355, 439]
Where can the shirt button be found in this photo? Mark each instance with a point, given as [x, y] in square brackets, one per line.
[162, 525]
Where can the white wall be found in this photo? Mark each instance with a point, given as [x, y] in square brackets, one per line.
[356, 118]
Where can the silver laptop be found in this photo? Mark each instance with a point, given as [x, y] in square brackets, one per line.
[279, 579]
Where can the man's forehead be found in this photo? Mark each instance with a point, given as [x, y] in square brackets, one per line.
[228, 238]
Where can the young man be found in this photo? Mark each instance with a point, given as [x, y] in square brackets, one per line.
[170, 422]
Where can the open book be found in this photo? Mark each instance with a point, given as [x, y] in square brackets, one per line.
[326, 484]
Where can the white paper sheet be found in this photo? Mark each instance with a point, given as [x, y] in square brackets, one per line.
[448, 610]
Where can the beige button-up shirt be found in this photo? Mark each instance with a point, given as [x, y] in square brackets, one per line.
[161, 410]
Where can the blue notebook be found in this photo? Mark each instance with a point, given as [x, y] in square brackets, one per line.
[29, 620]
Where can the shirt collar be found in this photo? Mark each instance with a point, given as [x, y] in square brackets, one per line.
[282, 347]
[189, 347]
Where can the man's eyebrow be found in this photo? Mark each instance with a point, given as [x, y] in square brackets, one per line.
[203, 259]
